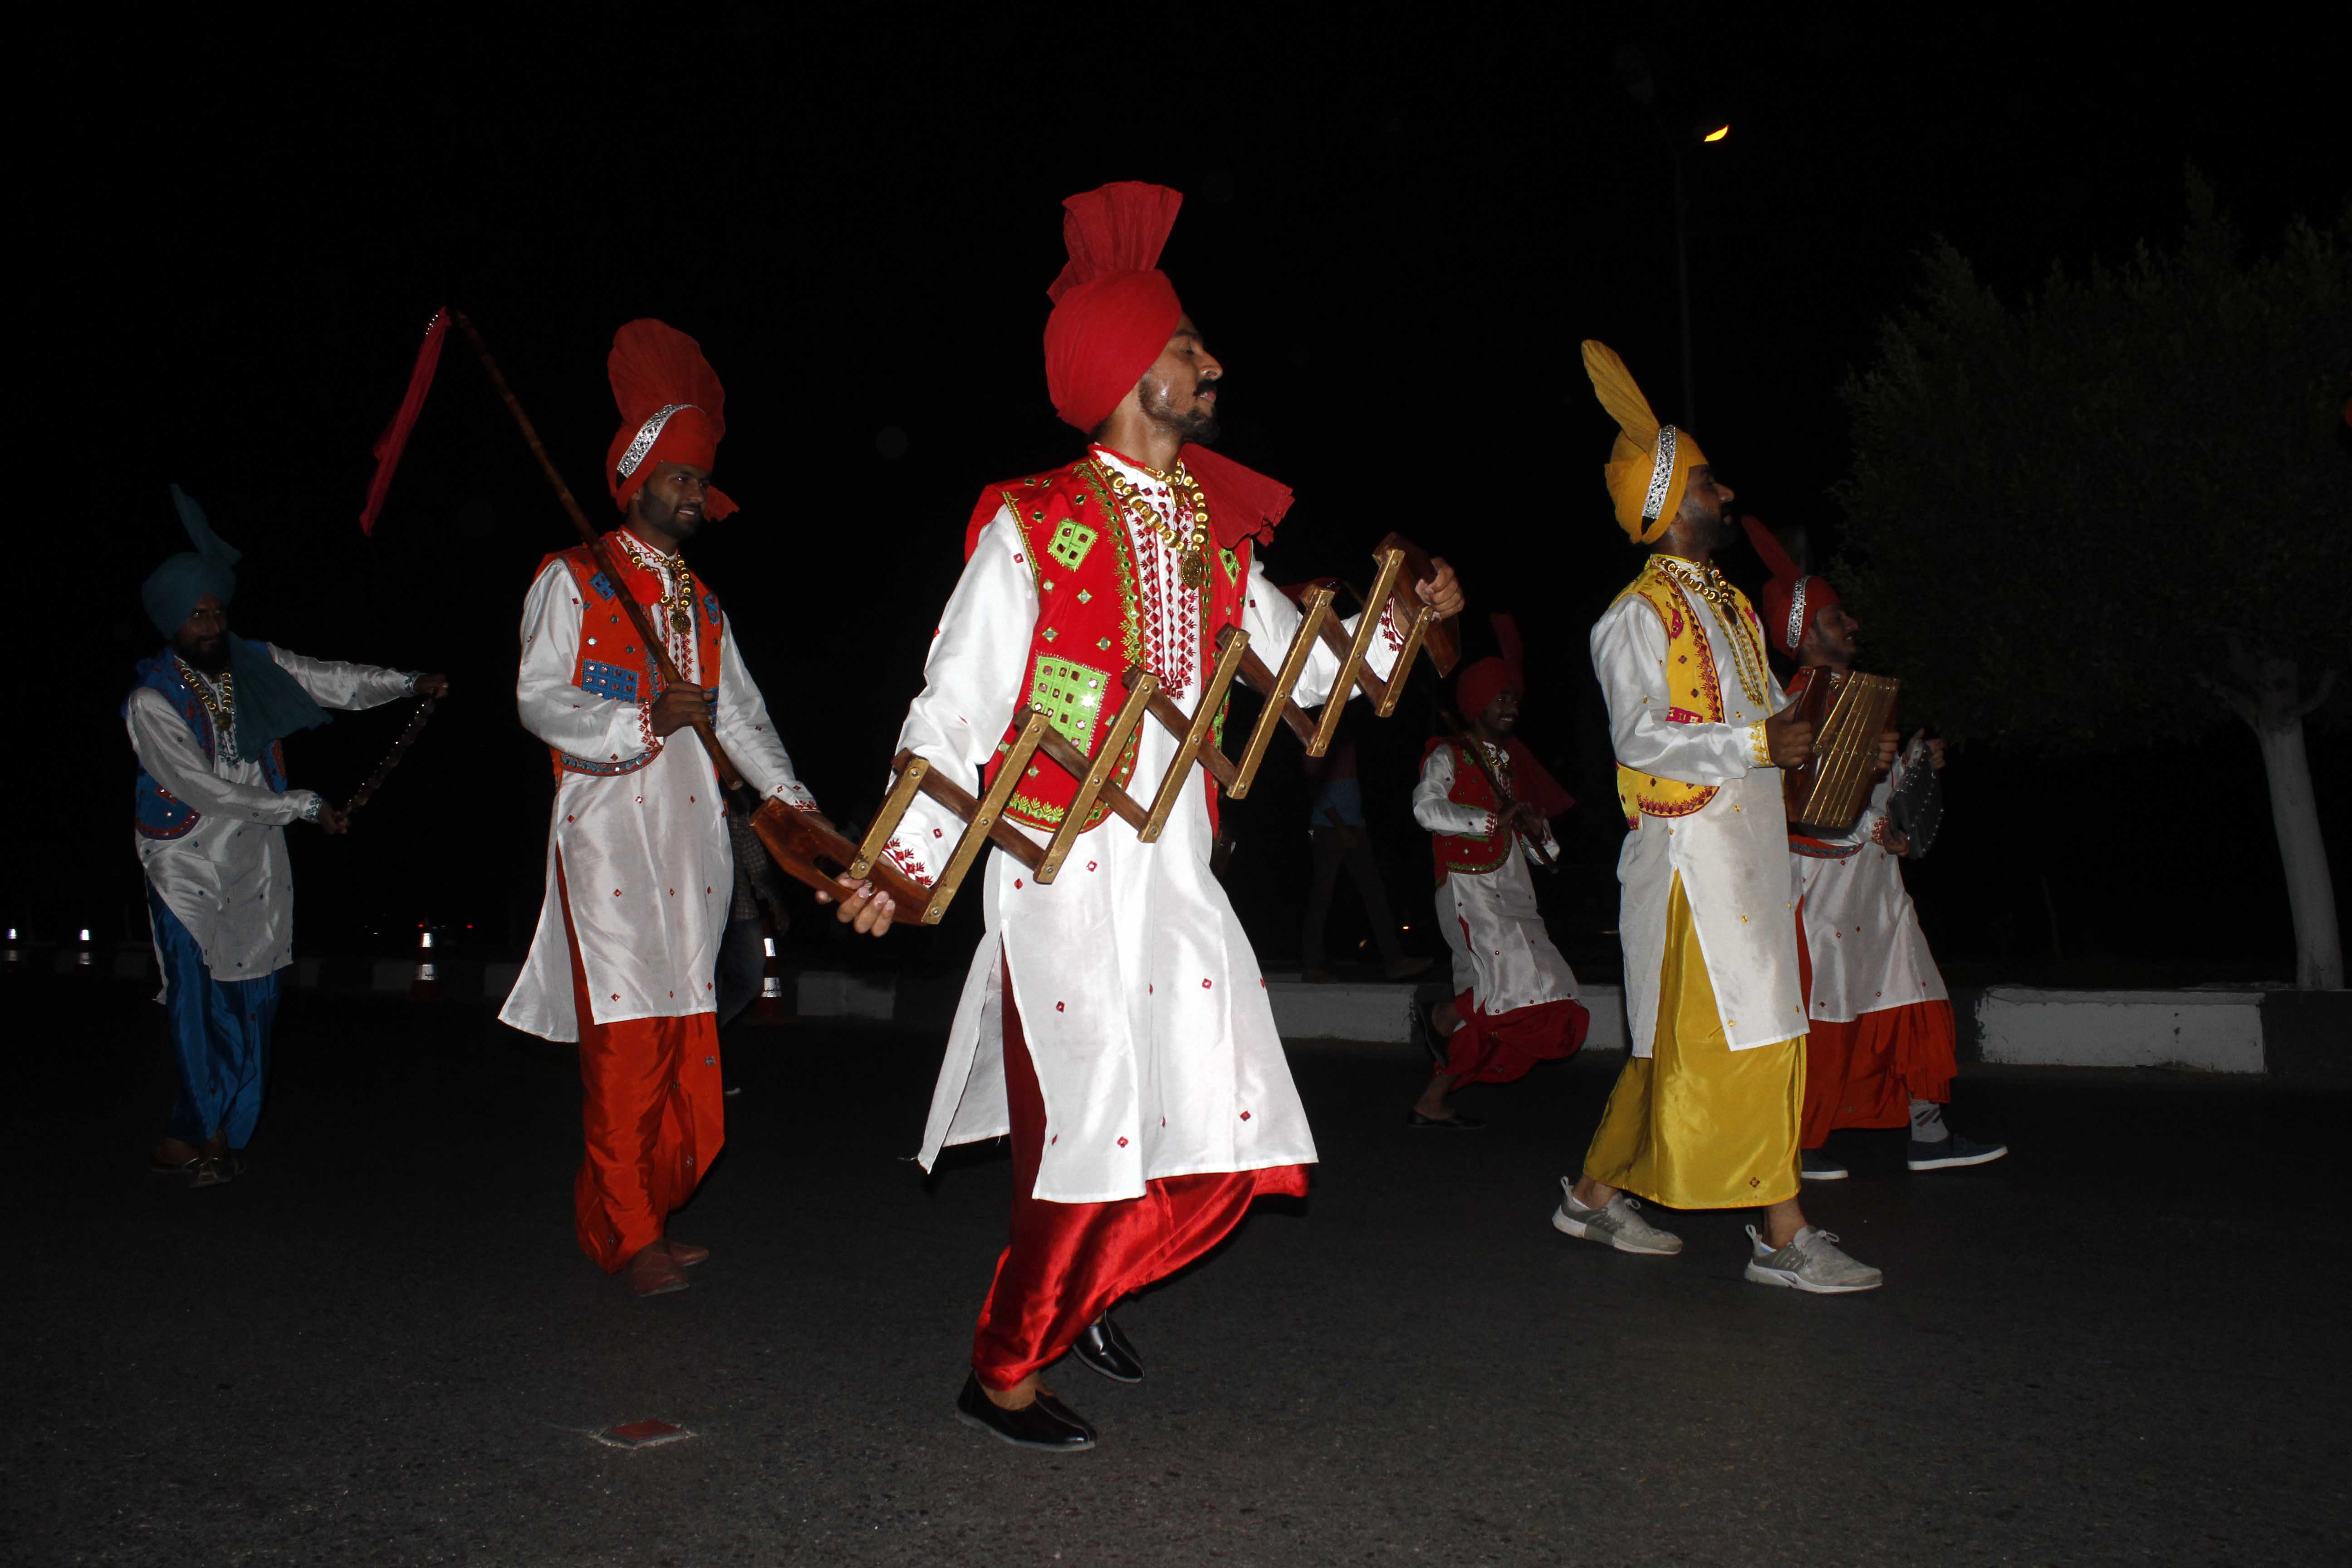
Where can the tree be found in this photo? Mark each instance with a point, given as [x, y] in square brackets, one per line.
[2129, 499]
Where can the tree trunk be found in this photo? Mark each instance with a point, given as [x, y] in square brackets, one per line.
[2273, 708]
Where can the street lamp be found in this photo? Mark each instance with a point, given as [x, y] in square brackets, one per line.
[1633, 73]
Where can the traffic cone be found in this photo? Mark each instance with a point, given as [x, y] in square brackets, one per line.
[770, 1005]
[12, 957]
[427, 987]
[84, 961]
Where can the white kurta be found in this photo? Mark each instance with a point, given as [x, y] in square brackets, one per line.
[1868, 951]
[1732, 853]
[1142, 1002]
[645, 851]
[227, 878]
[1502, 955]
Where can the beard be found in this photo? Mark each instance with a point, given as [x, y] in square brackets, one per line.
[209, 654]
[1709, 529]
[656, 513]
[1198, 424]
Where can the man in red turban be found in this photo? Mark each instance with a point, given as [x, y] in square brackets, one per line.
[639, 872]
[1880, 1036]
[1487, 803]
[1113, 1021]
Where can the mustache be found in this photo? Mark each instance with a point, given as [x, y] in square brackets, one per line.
[1213, 384]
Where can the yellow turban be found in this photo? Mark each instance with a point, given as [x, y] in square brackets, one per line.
[1649, 463]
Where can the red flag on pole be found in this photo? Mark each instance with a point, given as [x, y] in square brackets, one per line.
[394, 439]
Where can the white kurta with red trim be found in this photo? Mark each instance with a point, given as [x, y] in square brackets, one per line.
[1732, 854]
[1142, 1002]
[1861, 926]
[644, 851]
[1502, 955]
[227, 878]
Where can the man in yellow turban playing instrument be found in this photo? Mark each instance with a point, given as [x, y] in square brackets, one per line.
[1707, 1109]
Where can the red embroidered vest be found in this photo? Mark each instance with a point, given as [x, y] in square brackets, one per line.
[1457, 853]
[612, 664]
[1094, 619]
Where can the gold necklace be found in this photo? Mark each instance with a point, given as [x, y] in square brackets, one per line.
[220, 705]
[679, 600]
[1192, 553]
[1747, 655]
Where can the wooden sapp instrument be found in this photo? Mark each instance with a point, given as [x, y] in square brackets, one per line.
[1848, 709]
[809, 848]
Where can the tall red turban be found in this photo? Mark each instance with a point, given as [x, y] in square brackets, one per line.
[1792, 598]
[1114, 310]
[673, 410]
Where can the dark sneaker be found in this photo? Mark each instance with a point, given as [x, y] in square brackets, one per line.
[1815, 1165]
[1952, 1151]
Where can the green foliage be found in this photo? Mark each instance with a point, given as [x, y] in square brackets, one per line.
[2061, 511]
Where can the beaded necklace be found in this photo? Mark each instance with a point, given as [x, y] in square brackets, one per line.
[219, 702]
[678, 601]
[1746, 652]
[1191, 551]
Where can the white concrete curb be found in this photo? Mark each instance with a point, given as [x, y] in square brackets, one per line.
[2206, 1031]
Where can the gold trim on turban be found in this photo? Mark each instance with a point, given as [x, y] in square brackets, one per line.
[1649, 463]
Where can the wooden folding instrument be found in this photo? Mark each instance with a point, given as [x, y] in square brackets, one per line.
[1848, 710]
[815, 854]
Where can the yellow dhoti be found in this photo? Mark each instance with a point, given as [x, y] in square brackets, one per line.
[1695, 1124]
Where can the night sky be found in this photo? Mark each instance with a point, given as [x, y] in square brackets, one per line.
[1397, 227]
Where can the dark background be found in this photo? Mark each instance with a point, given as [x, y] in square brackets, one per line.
[1397, 226]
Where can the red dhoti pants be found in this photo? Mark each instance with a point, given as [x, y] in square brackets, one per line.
[1502, 1046]
[652, 1108]
[1069, 1263]
[1866, 1071]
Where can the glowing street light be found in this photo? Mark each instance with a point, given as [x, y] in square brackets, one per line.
[1718, 134]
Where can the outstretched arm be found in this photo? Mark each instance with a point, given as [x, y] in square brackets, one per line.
[333, 683]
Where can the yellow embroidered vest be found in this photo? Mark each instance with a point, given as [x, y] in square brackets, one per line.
[1693, 694]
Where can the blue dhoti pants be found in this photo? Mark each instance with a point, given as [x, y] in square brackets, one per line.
[219, 1034]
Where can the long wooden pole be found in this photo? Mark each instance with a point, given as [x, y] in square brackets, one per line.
[728, 774]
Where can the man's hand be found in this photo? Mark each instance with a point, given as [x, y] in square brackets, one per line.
[1934, 749]
[1894, 841]
[864, 908]
[1524, 819]
[1442, 591]
[329, 820]
[434, 685]
[1789, 738]
[1889, 743]
[678, 708]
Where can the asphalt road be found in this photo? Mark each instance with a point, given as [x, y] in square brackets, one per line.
[2123, 1344]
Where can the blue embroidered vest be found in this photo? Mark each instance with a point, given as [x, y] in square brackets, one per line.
[157, 812]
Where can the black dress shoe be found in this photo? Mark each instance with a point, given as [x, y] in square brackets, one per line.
[1045, 1423]
[1108, 1352]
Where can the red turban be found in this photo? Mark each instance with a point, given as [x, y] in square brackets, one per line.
[1792, 598]
[673, 410]
[1114, 310]
[1480, 683]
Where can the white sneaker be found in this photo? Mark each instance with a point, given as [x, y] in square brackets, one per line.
[1811, 1262]
[1616, 1224]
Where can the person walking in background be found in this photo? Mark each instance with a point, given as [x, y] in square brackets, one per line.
[1880, 1036]
[1489, 812]
[207, 720]
[639, 874]
[1336, 833]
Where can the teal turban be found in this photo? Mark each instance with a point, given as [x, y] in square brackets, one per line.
[270, 703]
